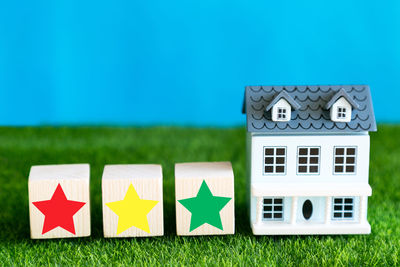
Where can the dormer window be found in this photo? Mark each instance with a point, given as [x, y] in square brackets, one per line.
[340, 106]
[281, 113]
[341, 114]
[281, 107]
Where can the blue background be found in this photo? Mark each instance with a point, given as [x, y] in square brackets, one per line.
[186, 62]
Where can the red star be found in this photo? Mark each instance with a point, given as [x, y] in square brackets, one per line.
[58, 211]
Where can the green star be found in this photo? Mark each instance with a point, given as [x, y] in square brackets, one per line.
[205, 208]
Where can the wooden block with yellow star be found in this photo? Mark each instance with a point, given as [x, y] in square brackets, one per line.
[59, 202]
[132, 200]
[204, 193]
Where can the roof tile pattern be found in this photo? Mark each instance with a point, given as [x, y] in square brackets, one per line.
[312, 115]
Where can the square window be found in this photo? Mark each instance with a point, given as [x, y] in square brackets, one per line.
[269, 160]
[274, 160]
[338, 200]
[280, 160]
[338, 169]
[339, 151]
[348, 214]
[273, 210]
[341, 112]
[302, 169]
[351, 151]
[267, 215]
[343, 208]
[308, 160]
[348, 201]
[267, 208]
[313, 169]
[267, 200]
[281, 113]
[278, 208]
[339, 160]
[337, 215]
[269, 169]
[281, 151]
[348, 207]
[349, 169]
[303, 151]
[345, 160]
[269, 151]
[303, 160]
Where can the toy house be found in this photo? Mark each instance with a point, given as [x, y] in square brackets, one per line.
[308, 158]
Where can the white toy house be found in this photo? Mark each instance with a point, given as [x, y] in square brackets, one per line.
[308, 158]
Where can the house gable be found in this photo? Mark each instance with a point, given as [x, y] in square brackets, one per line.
[281, 111]
[281, 107]
[340, 111]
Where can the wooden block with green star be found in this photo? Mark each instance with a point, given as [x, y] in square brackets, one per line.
[59, 201]
[132, 200]
[204, 193]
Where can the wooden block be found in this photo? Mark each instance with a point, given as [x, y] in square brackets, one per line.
[204, 193]
[59, 202]
[132, 200]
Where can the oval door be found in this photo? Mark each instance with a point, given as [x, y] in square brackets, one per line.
[307, 209]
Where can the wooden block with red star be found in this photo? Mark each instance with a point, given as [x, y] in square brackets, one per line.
[132, 200]
[59, 201]
[204, 193]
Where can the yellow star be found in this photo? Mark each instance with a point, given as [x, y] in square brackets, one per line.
[132, 211]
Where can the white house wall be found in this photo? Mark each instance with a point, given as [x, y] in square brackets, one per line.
[326, 144]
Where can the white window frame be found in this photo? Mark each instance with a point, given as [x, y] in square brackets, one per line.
[341, 113]
[274, 163]
[308, 164]
[342, 211]
[275, 209]
[345, 157]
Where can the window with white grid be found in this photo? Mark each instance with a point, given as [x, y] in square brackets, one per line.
[345, 160]
[273, 209]
[343, 208]
[282, 113]
[341, 112]
[274, 160]
[308, 159]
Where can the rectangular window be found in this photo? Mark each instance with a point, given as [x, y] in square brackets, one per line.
[343, 208]
[282, 113]
[273, 209]
[308, 159]
[274, 160]
[345, 160]
[341, 113]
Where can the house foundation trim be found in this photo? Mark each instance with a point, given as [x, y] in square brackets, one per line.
[312, 229]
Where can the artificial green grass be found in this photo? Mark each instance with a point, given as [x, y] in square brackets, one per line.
[22, 147]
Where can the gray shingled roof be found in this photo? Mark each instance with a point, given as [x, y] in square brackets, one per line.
[312, 115]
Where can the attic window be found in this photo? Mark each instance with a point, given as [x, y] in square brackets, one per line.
[282, 113]
[341, 112]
